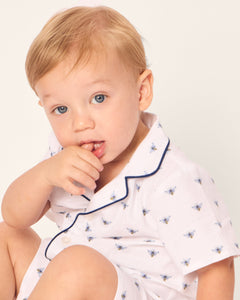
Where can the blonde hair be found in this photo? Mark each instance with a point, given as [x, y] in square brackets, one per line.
[86, 31]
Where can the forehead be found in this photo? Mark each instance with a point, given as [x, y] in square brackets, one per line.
[105, 69]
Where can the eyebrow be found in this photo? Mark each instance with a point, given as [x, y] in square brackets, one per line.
[97, 81]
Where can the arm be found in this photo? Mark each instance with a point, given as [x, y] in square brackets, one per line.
[26, 199]
[216, 281]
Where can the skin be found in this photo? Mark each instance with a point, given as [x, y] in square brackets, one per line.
[100, 104]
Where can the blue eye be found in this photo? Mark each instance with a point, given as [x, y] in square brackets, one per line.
[60, 110]
[98, 99]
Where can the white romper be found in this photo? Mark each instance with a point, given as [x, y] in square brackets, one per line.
[158, 221]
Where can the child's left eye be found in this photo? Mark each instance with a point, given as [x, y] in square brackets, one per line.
[98, 99]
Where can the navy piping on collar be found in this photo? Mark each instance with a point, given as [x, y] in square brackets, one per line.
[127, 190]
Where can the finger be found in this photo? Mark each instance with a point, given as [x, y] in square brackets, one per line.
[87, 168]
[73, 189]
[89, 157]
[82, 178]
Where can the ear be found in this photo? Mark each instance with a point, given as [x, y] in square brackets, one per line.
[145, 88]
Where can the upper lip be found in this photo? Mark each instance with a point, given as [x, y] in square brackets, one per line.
[90, 142]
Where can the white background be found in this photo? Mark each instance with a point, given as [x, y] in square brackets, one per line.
[193, 48]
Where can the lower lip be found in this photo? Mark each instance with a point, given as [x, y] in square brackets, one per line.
[100, 151]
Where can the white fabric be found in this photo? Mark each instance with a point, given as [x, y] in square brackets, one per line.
[158, 221]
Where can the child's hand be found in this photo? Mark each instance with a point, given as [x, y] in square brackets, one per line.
[73, 165]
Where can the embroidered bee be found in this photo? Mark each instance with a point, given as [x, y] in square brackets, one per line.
[237, 246]
[113, 197]
[218, 249]
[153, 148]
[171, 191]
[190, 234]
[40, 271]
[165, 277]
[186, 262]
[219, 224]
[120, 247]
[132, 231]
[145, 211]
[124, 205]
[216, 203]
[105, 222]
[123, 296]
[90, 238]
[165, 220]
[185, 285]
[198, 180]
[197, 207]
[145, 276]
[153, 253]
[87, 229]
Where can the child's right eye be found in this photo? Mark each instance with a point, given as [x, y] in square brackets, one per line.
[60, 110]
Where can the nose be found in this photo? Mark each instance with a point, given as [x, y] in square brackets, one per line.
[82, 121]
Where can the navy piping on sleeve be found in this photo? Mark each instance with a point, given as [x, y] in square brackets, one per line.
[127, 189]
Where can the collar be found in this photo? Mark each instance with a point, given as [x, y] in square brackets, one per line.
[145, 162]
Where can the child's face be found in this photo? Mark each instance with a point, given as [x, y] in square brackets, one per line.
[95, 104]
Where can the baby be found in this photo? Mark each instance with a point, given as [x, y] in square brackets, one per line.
[137, 219]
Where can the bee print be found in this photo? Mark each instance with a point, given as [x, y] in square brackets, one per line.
[40, 271]
[124, 205]
[165, 277]
[218, 249]
[218, 224]
[153, 253]
[145, 211]
[132, 231]
[197, 206]
[137, 284]
[113, 197]
[120, 247]
[105, 222]
[216, 203]
[149, 241]
[237, 246]
[87, 229]
[186, 262]
[90, 238]
[190, 234]
[68, 216]
[145, 276]
[116, 237]
[198, 180]
[185, 285]
[171, 191]
[138, 187]
[123, 296]
[165, 220]
[159, 125]
[153, 148]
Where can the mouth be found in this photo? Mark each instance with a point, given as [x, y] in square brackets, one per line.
[97, 148]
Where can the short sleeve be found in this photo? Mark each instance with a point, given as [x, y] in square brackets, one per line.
[193, 221]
